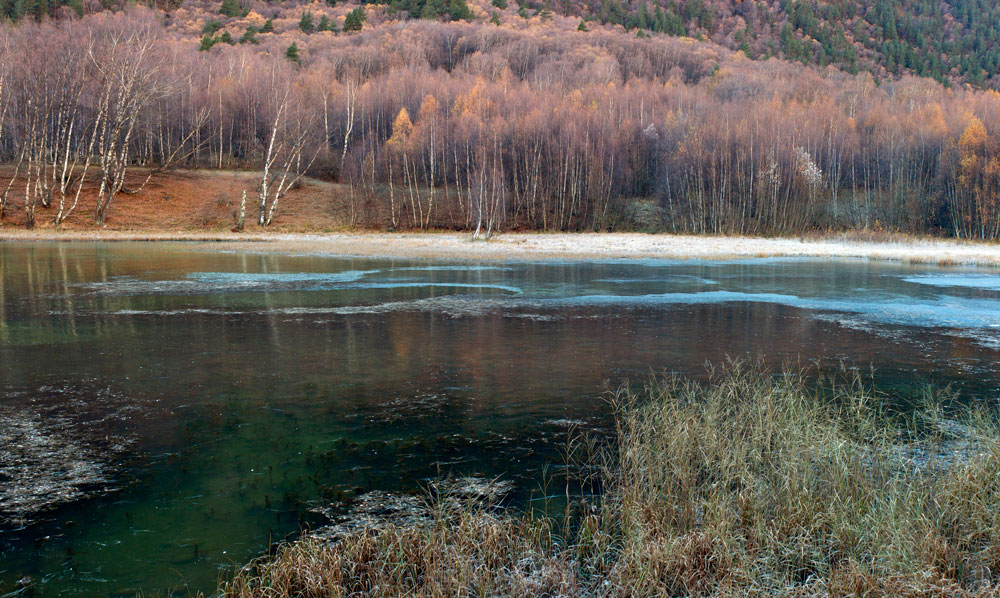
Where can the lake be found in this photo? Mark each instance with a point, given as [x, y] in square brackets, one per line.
[168, 411]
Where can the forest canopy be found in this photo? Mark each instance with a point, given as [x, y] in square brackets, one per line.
[534, 123]
[954, 41]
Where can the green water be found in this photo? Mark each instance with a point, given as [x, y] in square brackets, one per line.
[223, 397]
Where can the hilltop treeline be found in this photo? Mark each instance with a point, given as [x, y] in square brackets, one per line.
[484, 127]
[952, 41]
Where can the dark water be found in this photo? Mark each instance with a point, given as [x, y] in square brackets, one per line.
[222, 396]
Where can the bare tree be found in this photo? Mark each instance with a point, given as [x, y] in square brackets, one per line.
[291, 146]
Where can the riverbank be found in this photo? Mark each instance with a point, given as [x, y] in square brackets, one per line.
[751, 485]
[541, 246]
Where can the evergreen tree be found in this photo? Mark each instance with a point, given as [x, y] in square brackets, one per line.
[582, 26]
[268, 26]
[325, 24]
[206, 43]
[430, 10]
[232, 8]
[306, 22]
[459, 10]
[18, 9]
[249, 36]
[501, 4]
[355, 19]
[292, 53]
[225, 38]
[211, 26]
[495, 19]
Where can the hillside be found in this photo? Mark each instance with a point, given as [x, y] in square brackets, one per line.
[952, 41]
[494, 124]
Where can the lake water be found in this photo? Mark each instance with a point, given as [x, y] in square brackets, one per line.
[168, 411]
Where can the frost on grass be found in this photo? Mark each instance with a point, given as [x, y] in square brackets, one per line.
[378, 509]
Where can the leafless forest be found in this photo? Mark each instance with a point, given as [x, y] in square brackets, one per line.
[487, 127]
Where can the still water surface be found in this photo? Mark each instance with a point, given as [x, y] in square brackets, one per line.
[167, 411]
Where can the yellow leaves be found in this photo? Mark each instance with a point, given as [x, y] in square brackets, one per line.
[429, 110]
[402, 129]
[474, 101]
[973, 138]
[992, 169]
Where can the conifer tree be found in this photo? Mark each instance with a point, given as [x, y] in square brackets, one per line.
[306, 23]
[292, 53]
[211, 26]
[232, 8]
[249, 36]
[459, 10]
[355, 19]
[206, 43]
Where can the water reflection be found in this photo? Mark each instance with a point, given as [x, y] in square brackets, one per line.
[260, 387]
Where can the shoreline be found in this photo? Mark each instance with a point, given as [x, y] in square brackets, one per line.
[547, 246]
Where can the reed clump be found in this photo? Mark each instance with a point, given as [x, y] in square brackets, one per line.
[750, 485]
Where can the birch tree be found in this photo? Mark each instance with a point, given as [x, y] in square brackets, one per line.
[291, 147]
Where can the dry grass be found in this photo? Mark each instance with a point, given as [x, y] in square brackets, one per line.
[752, 485]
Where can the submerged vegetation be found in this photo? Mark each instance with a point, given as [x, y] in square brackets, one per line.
[752, 484]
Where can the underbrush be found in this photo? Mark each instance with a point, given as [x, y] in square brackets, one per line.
[750, 485]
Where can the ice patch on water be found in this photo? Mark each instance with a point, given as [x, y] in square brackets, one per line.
[418, 284]
[986, 282]
[469, 268]
[226, 282]
[962, 315]
[974, 318]
[671, 279]
[655, 299]
[450, 305]
[253, 279]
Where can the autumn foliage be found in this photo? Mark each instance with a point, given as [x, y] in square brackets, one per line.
[530, 124]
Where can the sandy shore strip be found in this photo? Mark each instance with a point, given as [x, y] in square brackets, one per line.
[542, 246]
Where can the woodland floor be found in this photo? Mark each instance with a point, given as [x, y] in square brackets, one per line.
[201, 205]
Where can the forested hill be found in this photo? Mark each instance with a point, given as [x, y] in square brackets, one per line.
[949, 40]
[952, 41]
